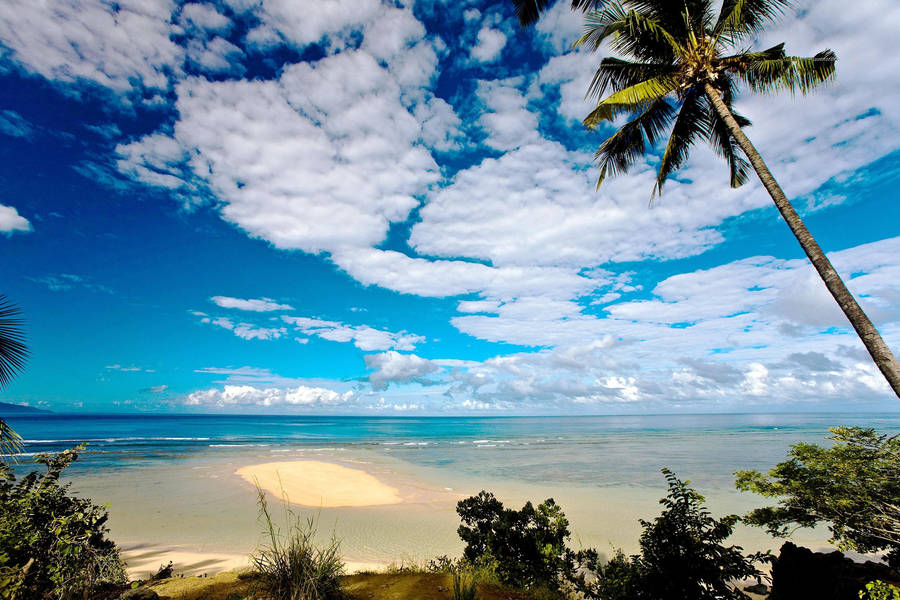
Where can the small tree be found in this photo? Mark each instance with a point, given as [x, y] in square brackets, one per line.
[528, 545]
[853, 486]
[52, 544]
[682, 556]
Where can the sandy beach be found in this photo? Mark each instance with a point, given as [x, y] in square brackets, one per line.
[320, 484]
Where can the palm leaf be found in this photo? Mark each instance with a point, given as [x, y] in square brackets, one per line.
[692, 122]
[739, 19]
[791, 73]
[10, 441]
[631, 33]
[13, 351]
[622, 149]
[634, 98]
[529, 11]
[725, 146]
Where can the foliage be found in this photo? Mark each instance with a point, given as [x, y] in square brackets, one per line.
[527, 545]
[854, 486]
[879, 590]
[13, 353]
[52, 544]
[682, 556]
[292, 566]
[677, 53]
[465, 586]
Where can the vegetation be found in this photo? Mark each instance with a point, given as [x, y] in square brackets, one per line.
[52, 543]
[682, 67]
[879, 590]
[465, 586]
[293, 566]
[528, 546]
[682, 556]
[854, 486]
[13, 353]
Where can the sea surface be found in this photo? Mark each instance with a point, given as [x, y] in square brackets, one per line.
[169, 479]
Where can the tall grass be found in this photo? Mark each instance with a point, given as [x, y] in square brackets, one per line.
[465, 586]
[292, 566]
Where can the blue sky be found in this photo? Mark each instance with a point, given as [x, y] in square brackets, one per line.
[377, 207]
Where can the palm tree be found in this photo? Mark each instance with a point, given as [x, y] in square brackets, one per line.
[682, 67]
[13, 353]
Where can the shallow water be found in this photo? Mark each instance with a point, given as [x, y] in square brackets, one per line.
[170, 479]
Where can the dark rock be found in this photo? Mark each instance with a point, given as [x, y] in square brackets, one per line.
[140, 593]
[801, 573]
[757, 588]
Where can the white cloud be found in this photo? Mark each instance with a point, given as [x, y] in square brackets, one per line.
[15, 125]
[245, 331]
[489, 44]
[115, 45]
[249, 396]
[252, 304]
[362, 336]
[393, 367]
[11, 220]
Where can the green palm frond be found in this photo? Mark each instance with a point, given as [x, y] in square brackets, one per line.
[616, 74]
[634, 98]
[739, 19]
[529, 11]
[631, 33]
[631, 141]
[791, 73]
[10, 441]
[693, 122]
[13, 351]
[725, 146]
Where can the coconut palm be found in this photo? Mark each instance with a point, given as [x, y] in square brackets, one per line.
[13, 353]
[683, 63]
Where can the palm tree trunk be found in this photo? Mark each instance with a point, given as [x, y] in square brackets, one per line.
[870, 337]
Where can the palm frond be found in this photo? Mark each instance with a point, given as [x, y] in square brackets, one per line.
[739, 19]
[724, 145]
[10, 441]
[699, 13]
[13, 351]
[692, 122]
[529, 11]
[630, 142]
[631, 33]
[791, 73]
[634, 98]
[616, 74]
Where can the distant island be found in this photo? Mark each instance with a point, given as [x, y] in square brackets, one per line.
[18, 409]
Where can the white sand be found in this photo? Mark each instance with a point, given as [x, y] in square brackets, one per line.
[321, 484]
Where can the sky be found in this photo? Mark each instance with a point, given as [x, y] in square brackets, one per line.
[389, 208]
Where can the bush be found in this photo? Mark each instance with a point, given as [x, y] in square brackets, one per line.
[879, 590]
[681, 557]
[52, 544]
[527, 546]
[853, 486]
[292, 566]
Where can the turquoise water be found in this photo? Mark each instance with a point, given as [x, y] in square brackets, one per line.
[604, 450]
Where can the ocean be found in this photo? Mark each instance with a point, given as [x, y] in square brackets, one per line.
[169, 479]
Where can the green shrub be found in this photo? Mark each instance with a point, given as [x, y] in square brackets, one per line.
[292, 566]
[527, 547]
[682, 556]
[879, 590]
[852, 486]
[52, 543]
[465, 586]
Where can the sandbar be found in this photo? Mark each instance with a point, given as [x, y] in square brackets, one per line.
[321, 484]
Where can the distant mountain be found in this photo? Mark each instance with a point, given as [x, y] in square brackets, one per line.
[17, 409]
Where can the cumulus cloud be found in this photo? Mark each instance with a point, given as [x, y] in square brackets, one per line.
[489, 44]
[362, 336]
[393, 367]
[253, 305]
[245, 396]
[11, 220]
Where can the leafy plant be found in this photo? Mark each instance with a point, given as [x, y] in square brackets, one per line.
[292, 566]
[528, 546]
[52, 544]
[879, 590]
[13, 354]
[465, 585]
[854, 486]
[682, 556]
